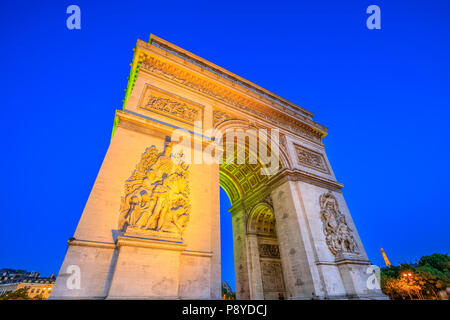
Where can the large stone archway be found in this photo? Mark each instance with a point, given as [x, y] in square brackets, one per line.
[254, 234]
[150, 228]
[258, 267]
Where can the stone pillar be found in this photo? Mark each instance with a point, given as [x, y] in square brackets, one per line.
[89, 264]
[297, 255]
[216, 278]
[138, 259]
[352, 269]
[136, 262]
[256, 287]
[340, 259]
[240, 253]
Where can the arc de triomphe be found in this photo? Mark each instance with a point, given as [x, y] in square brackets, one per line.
[151, 227]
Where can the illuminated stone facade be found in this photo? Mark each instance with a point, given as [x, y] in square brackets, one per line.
[150, 228]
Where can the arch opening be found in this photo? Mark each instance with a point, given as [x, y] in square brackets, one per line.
[257, 261]
[226, 250]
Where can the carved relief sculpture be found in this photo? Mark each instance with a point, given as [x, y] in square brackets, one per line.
[338, 234]
[157, 194]
[220, 116]
[272, 276]
[269, 250]
[173, 73]
[283, 142]
[163, 240]
[164, 103]
[171, 107]
[311, 159]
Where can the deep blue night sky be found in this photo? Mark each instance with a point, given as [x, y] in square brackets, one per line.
[383, 94]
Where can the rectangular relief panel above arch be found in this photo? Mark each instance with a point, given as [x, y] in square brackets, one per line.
[170, 107]
[313, 160]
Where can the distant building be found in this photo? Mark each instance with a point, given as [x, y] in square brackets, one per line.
[10, 274]
[12, 280]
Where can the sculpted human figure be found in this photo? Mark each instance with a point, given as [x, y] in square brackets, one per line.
[161, 199]
[345, 234]
[330, 222]
[134, 206]
[146, 206]
[338, 234]
[138, 204]
[157, 193]
[176, 201]
[330, 227]
[163, 165]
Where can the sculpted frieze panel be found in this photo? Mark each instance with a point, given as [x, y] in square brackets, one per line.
[339, 236]
[272, 276]
[157, 194]
[311, 159]
[170, 105]
[220, 116]
[267, 250]
[195, 82]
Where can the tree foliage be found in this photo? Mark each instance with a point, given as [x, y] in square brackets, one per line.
[417, 281]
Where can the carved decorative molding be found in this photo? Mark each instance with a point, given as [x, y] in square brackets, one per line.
[305, 176]
[160, 43]
[272, 276]
[220, 116]
[267, 250]
[338, 234]
[268, 200]
[170, 105]
[248, 176]
[156, 197]
[311, 159]
[262, 222]
[283, 142]
[177, 74]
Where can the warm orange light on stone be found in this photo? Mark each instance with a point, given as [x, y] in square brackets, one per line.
[151, 229]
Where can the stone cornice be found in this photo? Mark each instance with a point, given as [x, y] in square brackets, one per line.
[146, 125]
[223, 73]
[300, 175]
[237, 208]
[345, 262]
[89, 243]
[141, 124]
[206, 254]
[149, 243]
[163, 64]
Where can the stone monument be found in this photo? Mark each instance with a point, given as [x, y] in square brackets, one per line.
[150, 228]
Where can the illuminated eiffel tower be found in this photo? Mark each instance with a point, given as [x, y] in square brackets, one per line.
[386, 260]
